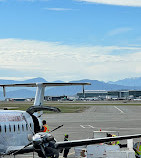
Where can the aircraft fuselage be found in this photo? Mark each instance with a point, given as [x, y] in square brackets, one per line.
[14, 130]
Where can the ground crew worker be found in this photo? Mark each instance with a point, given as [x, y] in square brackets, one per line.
[114, 142]
[66, 150]
[45, 127]
[137, 149]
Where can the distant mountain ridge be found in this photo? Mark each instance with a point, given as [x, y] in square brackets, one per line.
[136, 81]
[65, 90]
[39, 79]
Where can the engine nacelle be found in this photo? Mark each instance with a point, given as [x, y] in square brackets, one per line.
[42, 137]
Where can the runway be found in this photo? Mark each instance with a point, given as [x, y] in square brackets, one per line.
[125, 119]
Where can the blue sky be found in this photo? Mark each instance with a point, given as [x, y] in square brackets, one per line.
[70, 39]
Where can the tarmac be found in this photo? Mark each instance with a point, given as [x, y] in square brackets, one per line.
[124, 119]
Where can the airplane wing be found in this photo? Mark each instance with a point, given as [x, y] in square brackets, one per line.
[93, 141]
[42, 85]
[74, 143]
[45, 84]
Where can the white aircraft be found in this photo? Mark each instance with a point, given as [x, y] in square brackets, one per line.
[20, 130]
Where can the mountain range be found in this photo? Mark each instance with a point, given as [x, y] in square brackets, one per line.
[13, 92]
[128, 82]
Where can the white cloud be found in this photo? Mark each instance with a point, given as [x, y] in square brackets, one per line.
[15, 78]
[132, 3]
[119, 31]
[58, 9]
[55, 61]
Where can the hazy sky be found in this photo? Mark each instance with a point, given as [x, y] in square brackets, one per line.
[70, 39]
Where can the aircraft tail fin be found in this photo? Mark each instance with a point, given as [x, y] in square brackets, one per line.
[39, 97]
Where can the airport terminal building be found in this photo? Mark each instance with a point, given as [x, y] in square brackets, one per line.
[93, 94]
[102, 94]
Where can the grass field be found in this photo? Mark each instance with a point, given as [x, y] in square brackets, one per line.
[66, 107]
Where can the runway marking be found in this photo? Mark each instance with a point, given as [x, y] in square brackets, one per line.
[119, 109]
[91, 126]
[87, 126]
[82, 126]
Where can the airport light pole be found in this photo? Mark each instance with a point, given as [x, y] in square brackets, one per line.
[83, 92]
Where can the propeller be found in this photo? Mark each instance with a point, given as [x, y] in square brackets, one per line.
[43, 143]
[37, 140]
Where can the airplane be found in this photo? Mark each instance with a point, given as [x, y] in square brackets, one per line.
[20, 130]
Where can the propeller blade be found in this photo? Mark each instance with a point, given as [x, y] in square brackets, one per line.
[56, 128]
[16, 152]
[43, 150]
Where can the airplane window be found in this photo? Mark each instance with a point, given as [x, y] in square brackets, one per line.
[14, 128]
[22, 127]
[30, 126]
[5, 128]
[26, 127]
[18, 127]
[0, 128]
[10, 128]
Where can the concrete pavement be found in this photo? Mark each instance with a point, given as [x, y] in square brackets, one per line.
[125, 119]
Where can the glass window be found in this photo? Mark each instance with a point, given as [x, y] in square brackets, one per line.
[26, 127]
[30, 125]
[10, 128]
[23, 127]
[5, 128]
[14, 128]
[18, 127]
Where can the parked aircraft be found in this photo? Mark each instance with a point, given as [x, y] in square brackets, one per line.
[20, 130]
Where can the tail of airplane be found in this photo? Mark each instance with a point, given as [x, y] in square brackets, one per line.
[38, 107]
[39, 97]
